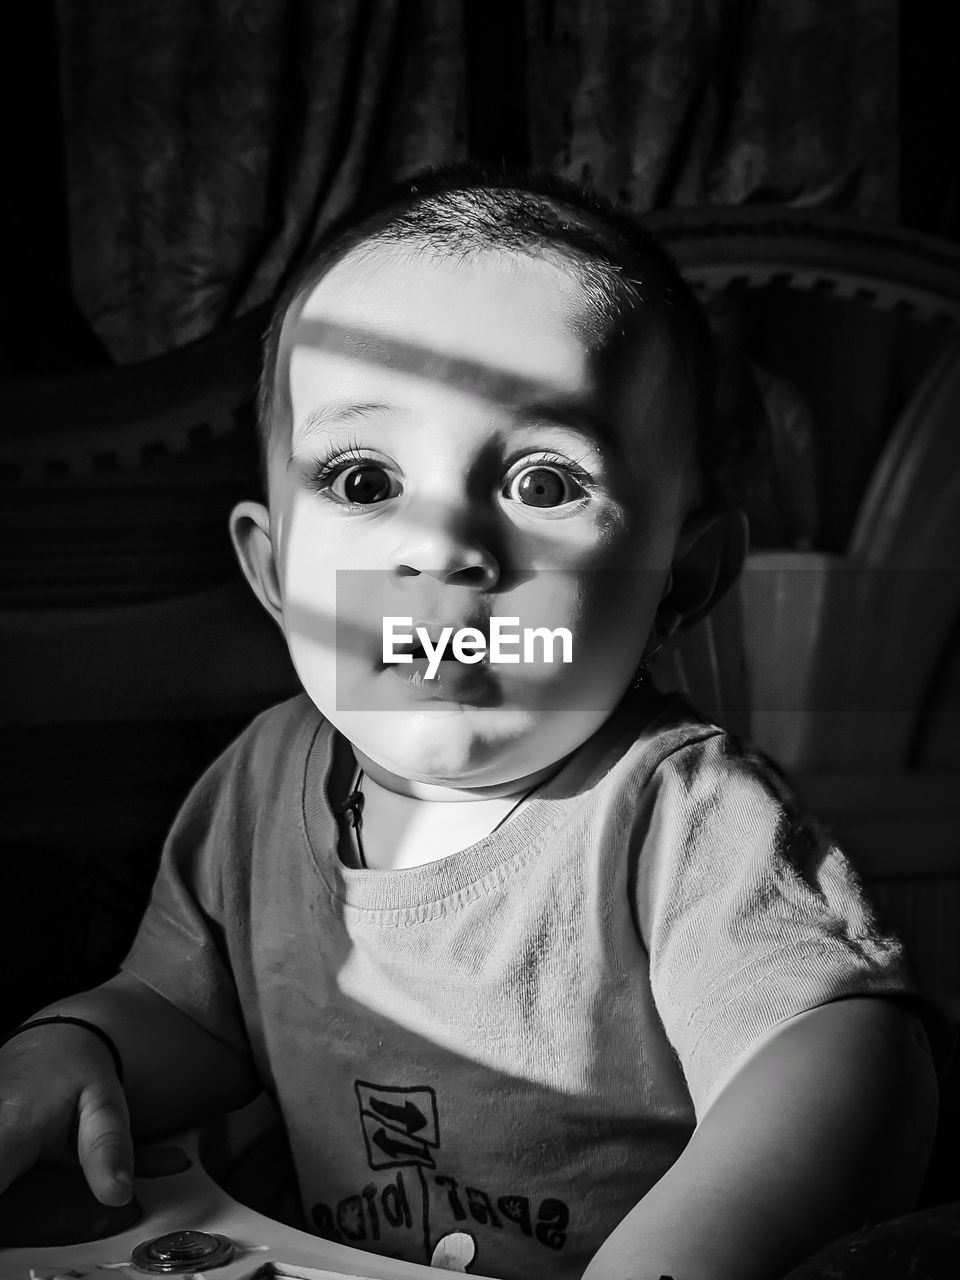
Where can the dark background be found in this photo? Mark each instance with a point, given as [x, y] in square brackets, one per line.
[91, 93]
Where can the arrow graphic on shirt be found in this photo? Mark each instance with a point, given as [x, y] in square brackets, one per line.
[397, 1150]
[409, 1116]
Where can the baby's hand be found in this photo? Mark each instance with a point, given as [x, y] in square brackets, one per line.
[59, 1088]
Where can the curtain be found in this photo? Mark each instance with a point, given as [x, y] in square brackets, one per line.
[677, 102]
[208, 140]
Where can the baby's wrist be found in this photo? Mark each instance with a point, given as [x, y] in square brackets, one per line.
[51, 1023]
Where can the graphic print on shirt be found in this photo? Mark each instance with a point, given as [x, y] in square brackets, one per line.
[413, 1197]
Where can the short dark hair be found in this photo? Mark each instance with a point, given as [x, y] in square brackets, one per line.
[467, 208]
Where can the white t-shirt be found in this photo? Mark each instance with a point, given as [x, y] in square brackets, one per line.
[515, 1041]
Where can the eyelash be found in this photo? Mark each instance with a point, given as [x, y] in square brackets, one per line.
[325, 469]
[329, 465]
[572, 468]
[546, 458]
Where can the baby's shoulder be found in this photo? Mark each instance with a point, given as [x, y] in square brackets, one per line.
[274, 746]
[288, 723]
[690, 759]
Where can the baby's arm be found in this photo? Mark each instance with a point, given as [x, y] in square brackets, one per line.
[55, 1078]
[827, 1125]
[175, 1072]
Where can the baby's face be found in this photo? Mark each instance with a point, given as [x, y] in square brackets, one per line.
[457, 455]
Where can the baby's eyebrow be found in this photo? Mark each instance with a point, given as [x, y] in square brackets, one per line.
[342, 413]
[565, 416]
[570, 415]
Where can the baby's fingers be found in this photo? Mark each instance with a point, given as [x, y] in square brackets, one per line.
[104, 1144]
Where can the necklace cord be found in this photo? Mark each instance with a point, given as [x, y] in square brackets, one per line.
[353, 807]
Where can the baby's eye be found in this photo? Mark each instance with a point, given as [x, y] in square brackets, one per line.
[363, 485]
[540, 485]
[360, 484]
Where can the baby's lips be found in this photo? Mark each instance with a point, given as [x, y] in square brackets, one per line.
[434, 631]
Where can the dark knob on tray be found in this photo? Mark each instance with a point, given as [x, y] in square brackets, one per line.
[179, 1251]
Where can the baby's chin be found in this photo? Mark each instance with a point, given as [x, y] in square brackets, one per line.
[455, 745]
[448, 743]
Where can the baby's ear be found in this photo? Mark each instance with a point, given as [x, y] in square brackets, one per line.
[708, 559]
[253, 543]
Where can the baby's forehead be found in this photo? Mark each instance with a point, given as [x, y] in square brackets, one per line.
[375, 279]
[381, 268]
[497, 325]
[375, 301]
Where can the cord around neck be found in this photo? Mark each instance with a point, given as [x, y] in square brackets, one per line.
[351, 807]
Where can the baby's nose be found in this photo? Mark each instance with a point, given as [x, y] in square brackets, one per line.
[454, 544]
[450, 561]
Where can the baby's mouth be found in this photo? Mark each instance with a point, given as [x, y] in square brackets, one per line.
[433, 667]
[442, 633]
[418, 652]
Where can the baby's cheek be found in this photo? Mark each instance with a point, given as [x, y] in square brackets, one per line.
[617, 604]
[309, 611]
[314, 660]
[310, 616]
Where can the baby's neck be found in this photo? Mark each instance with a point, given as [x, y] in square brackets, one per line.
[407, 823]
[401, 831]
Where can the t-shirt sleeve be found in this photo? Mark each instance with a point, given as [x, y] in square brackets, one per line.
[749, 911]
[181, 949]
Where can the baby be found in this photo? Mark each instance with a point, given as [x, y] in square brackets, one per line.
[546, 976]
